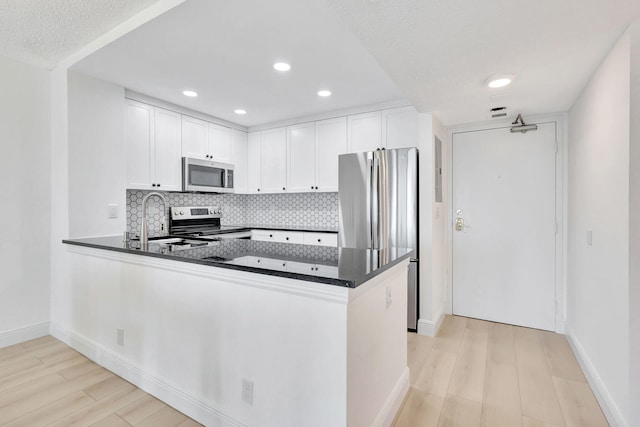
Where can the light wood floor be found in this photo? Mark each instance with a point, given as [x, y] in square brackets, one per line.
[477, 373]
[43, 382]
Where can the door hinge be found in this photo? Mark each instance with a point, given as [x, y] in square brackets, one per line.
[556, 148]
[556, 227]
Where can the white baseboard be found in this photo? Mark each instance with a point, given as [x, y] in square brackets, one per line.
[394, 401]
[608, 405]
[183, 401]
[429, 328]
[27, 333]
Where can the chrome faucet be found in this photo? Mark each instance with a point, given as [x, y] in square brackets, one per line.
[144, 233]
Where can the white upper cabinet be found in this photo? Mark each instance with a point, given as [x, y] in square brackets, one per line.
[219, 143]
[168, 166]
[194, 137]
[331, 141]
[400, 127]
[301, 163]
[204, 140]
[254, 163]
[153, 148]
[139, 143]
[239, 152]
[273, 147]
[365, 132]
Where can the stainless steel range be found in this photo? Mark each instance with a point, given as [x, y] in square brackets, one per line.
[203, 222]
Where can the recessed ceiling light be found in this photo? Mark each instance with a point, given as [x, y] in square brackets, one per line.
[324, 93]
[189, 93]
[240, 111]
[282, 66]
[499, 80]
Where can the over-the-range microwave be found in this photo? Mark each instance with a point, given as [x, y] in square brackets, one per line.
[206, 176]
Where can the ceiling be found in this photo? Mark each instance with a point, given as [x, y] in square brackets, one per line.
[441, 52]
[225, 51]
[435, 54]
[44, 32]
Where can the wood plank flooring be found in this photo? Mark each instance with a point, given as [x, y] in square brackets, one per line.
[477, 373]
[43, 382]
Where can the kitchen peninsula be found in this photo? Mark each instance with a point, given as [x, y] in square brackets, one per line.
[319, 333]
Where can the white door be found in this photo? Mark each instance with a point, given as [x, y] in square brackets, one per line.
[139, 141]
[194, 138]
[400, 128]
[504, 193]
[254, 164]
[239, 160]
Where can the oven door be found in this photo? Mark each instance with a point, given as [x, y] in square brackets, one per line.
[206, 176]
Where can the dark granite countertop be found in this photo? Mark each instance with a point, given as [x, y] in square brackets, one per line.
[346, 267]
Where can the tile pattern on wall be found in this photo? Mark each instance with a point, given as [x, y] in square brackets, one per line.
[260, 210]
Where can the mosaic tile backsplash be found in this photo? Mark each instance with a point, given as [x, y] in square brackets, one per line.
[260, 210]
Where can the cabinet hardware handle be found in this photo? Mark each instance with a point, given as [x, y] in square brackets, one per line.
[316, 187]
[157, 185]
[283, 188]
[270, 235]
[284, 265]
[258, 189]
[287, 238]
[312, 187]
[153, 185]
[319, 240]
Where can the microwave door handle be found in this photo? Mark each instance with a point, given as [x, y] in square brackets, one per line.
[224, 178]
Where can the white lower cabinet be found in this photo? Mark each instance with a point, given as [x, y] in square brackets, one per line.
[299, 237]
[320, 239]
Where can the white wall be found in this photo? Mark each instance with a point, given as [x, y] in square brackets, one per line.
[433, 247]
[634, 228]
[97, 172]
[24, 182]
[598, 275]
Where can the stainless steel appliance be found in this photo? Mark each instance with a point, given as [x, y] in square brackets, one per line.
[206, 176]
[378, 196]
[202, 222]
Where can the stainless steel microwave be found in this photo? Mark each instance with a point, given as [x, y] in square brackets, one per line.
[206, 176]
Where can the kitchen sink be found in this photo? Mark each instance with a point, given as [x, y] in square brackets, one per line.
[178, 243]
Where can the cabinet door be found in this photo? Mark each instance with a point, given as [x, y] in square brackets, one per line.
[239, 160]
[194, 138]
[220, 143]
[400, 127]
[331, 141]
[254, 166]
[167, 159]
[139, 143]
[301, 159]
[365, 132]
[273, 144]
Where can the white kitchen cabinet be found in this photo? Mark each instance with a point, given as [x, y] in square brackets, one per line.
[219, 143]
[365, 132]
[194, 137]
[288, 236]
[167, 160]
[331, 141]
[139, 143]
[153, 148]
[320, 239]
[239, 152]
[301, 159]
[273, 156]
[254, 163]
[400, 127]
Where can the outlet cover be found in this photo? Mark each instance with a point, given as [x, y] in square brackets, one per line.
[112, 210]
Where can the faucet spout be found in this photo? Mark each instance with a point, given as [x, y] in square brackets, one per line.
[144, 232]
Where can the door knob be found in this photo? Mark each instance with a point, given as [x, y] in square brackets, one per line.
[459, 224]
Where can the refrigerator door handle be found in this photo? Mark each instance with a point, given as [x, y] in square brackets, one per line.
[375, 202]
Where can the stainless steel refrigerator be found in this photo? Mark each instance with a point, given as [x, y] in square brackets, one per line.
[378, 194]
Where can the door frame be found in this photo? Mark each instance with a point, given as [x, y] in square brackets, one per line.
[560, 120]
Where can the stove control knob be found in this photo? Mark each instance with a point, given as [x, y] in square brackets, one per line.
[181, 213]
[219, 211]
[211, 211]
